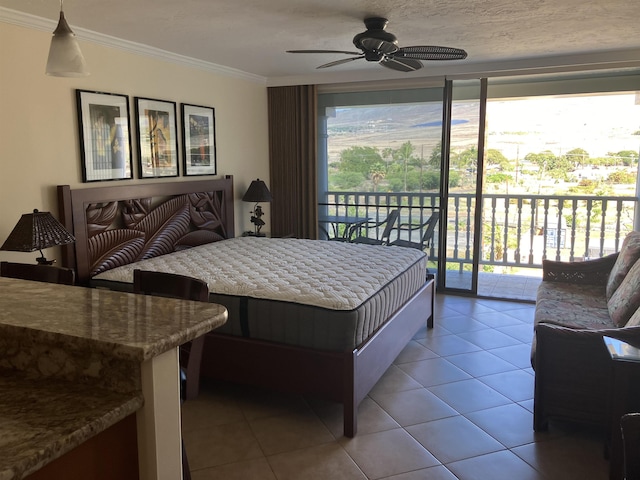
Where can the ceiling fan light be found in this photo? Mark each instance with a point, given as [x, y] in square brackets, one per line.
[65, 58]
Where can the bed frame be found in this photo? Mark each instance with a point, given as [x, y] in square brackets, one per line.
[116, 225]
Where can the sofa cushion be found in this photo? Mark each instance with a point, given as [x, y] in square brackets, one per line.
[634, 321]
[629, 254]
[626, 299]
[572, 305]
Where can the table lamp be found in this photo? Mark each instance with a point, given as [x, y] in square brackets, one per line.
[35, 231]
[257, 192]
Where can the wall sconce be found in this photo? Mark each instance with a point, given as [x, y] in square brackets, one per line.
[35, 231]
[257, 192]
[65, 57]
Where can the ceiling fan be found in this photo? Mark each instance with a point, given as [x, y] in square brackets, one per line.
[380, 46]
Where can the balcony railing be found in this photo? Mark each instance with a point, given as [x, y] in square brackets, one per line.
[518, 231]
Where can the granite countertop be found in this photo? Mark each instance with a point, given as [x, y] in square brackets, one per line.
[122, 325]
[70, 362]
[41, 420]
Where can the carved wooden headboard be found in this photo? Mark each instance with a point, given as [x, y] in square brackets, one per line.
[117, 225]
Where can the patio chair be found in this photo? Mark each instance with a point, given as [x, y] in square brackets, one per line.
[383, 239]
[426, 241]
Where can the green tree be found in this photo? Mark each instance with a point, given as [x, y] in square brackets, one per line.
[346, 180]
[578, 156]
[495, 157]
[360, 159]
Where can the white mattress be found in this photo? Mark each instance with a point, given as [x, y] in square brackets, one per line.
[331, 275]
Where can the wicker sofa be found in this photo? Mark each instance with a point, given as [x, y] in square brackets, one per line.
[577, 303]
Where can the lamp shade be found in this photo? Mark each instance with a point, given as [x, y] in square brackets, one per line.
[257, 192]
[65, 57]
[35, 231]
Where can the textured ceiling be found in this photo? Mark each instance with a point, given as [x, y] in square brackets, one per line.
[253, 35]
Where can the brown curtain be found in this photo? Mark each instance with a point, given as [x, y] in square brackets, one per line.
[293, 160]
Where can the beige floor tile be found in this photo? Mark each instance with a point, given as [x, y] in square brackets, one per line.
[257, 403]
[469, 395]
[322, 462]
[208, 410]
[395, 380]
[221, 444]
[413, 406]
[502, 465]
[577, 456]
[516, 385]
[435, 371]
[454, 438]
[414, 351]
[388, 453]
[256, 469]
[289, 432]
[371, 417]
[432, 473]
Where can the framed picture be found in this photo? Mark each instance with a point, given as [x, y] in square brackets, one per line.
[105, 138]
[157, 138]
[198, 140]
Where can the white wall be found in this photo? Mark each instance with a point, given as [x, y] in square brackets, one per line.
[39, 145]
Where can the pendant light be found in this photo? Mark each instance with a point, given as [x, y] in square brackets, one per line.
[65, 57]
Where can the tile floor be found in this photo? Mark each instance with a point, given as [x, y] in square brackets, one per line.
[455, 404]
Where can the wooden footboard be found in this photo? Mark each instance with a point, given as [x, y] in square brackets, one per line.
[346, 377]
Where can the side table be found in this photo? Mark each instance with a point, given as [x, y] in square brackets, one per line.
[623, 397]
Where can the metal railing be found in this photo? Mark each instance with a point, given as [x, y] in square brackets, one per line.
[517, 230]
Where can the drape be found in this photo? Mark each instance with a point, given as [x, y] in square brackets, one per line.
[293, 160]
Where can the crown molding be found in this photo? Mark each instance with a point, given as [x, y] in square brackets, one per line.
[26, 20]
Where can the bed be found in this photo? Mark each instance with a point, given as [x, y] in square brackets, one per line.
[307, 316]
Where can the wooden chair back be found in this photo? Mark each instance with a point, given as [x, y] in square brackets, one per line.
[38, 273]
[172, 285]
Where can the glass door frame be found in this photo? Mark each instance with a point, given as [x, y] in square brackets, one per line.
[448, 97]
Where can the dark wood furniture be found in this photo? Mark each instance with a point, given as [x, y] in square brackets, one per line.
[630, 426]
[38, 273]
[624, 398]
[187, 288]
[200, 212]
[179, 286]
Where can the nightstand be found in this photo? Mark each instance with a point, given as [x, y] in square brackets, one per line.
[624, 397]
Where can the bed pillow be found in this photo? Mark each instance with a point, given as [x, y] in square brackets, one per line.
[629, 254]
[626, 299]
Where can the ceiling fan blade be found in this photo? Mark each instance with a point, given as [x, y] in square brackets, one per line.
[401, 64]
[432, 52]
[324, 51]
[340, 62]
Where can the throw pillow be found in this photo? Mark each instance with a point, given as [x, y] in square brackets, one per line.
[626, 299]
[629, 253]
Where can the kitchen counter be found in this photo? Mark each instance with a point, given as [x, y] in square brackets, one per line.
[74, 361]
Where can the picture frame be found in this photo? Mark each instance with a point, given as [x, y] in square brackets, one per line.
[105, 136]
[157, 138]
[198, 140]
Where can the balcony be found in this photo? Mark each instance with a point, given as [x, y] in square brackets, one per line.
[518, 232]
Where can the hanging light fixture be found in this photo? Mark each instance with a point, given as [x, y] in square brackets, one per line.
[65, 57]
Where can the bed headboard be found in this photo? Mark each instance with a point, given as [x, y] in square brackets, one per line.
[118, 225]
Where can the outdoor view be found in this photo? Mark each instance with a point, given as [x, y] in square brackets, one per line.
[559, 171]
